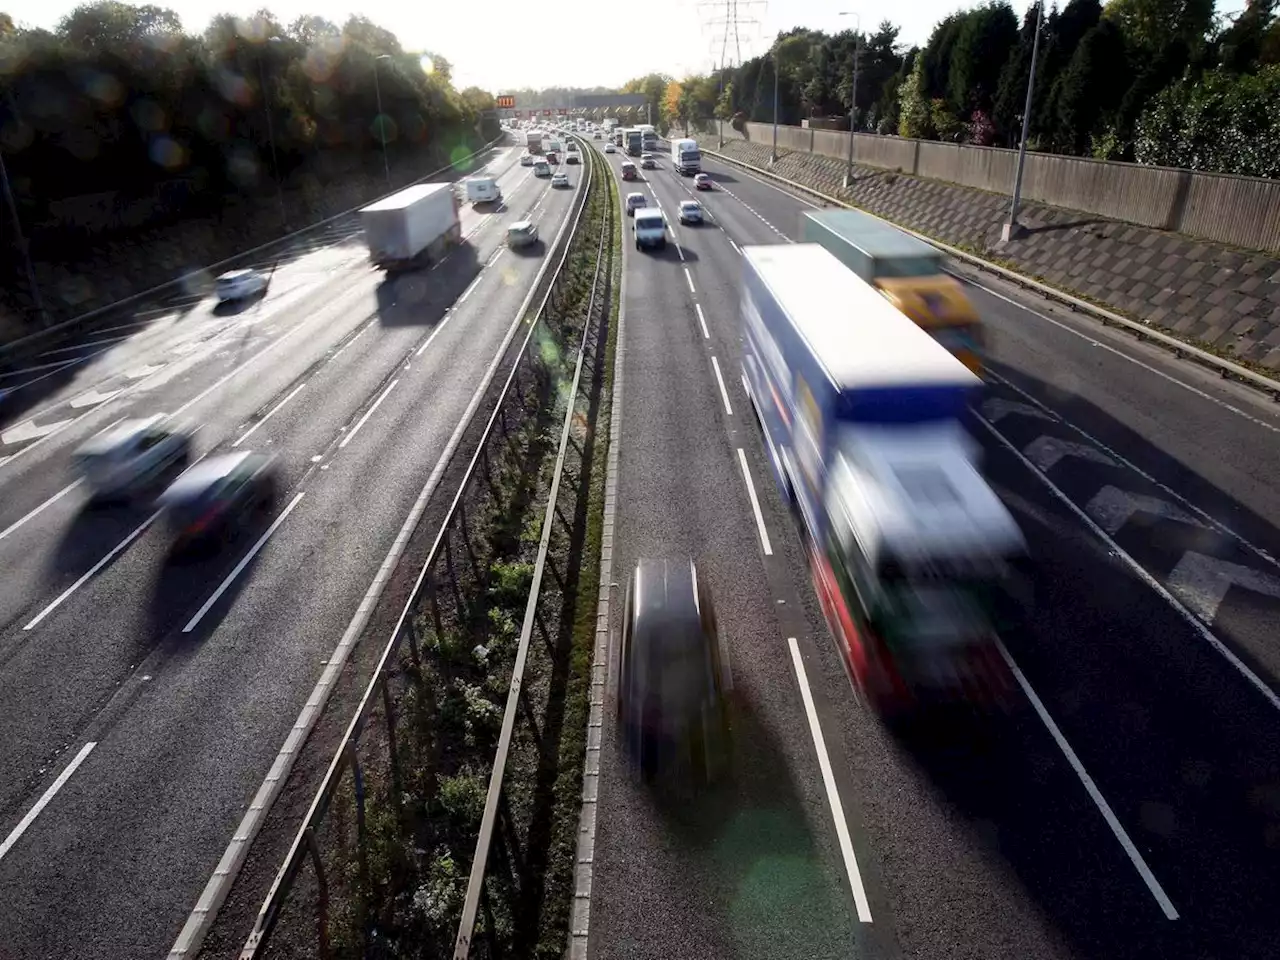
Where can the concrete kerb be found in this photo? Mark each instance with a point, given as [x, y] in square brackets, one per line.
[12, 345]
[1142, 331]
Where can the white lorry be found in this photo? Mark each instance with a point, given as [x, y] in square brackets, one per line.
[483, 189]
[412, 227]
[686, 160]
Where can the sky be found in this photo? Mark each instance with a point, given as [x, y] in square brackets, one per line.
[510, 44]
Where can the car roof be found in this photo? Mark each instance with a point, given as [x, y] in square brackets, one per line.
[667, 624]
[634, 194]
[118, 436]
[649, 213]
[521, 225]
[690, 203]
[207, 473]
[237, 274]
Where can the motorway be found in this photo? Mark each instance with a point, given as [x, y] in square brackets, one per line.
[147, 700]
[1131, 808]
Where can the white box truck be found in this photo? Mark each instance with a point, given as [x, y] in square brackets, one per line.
[686, 160]
[483, 189]
[409, 229]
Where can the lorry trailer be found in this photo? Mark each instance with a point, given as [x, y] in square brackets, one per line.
[909, 272]
[412, 227]
[915, 559]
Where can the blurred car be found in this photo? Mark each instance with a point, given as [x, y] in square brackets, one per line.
[572, 158]
[690, 211]
[634, 202]
[629, 170]
[648, 162]
[239, 285]
[552, 157]
[523, 233]
[210, 502]
[610, 148]
[702, 182]
[526, 159]
[595, 135]
[542, 169]
[560, 180]
[674, 680]
[131, 456]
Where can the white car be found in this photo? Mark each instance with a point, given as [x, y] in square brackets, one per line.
[523, 233]
[560, 180]
[690, 211]
[648, 162]
[610, 148]
[542, 169]
[130, 456]
[240, 285]
[526, 160]
[634, 202]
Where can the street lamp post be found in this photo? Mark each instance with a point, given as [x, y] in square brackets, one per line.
[1011, 229]
[271, 134]
[853, 92]
[773, 156]
[382, 124]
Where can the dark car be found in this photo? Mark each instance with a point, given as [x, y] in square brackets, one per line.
[674, 681]
[209, 503]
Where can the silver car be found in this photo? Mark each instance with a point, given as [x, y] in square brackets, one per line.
[131, 456]
[690, 211]
[523, 233]
[240, 285]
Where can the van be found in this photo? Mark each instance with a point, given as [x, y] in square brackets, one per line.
[650, 228]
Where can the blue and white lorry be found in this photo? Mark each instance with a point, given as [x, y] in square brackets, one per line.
[914, 557]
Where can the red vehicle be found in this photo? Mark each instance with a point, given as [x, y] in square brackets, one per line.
[553, 158]
[629, 171]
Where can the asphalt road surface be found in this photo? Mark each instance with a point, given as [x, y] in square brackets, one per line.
[1130, 809]
[145, 700]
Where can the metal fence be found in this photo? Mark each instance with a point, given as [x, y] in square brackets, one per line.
[393, 771]
[1226, 208]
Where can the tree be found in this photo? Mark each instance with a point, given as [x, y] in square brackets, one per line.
[936, 57]
[1240, 46]
[1151, 25]
[916, 118]
[110, 25]
[983, 42]
[1092, 88]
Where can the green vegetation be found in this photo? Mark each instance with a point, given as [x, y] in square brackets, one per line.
[423, 812]
[1157, 81]
[119, 122]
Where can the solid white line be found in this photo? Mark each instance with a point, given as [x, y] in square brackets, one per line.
[734, 245]
[1195, 622]
[1094, 341]
[724, 394]
[833, 792]
[92, 571]
[276, 409]
[755, 504]
[16, 833]
[689, 280]
[244, 562]
[1092, 789]
[702, 321]
[40, 509]
[368, 413]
